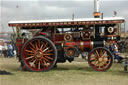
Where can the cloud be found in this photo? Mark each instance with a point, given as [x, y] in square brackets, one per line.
[57, 9]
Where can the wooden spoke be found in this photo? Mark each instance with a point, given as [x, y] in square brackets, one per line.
[41, 62]
[92, 60]
[103, 54]
[45, 59]
[45, 49]
[39, 65]
[100, 52]
[45, 46]
[32, 49]
[32, 45]
[47, 54]
[30, 54]
[48, 57]
[29, 57]
[33, 62]
[93, 55]
[95, 62]
[97, 53]
[36, 46]
[39, 43]
[48, 51]
[41, 46]
[29, 51]
[45, 63]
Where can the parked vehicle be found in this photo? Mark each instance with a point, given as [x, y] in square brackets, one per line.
[59, 40]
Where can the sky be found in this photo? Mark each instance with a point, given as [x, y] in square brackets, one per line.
[57, 9]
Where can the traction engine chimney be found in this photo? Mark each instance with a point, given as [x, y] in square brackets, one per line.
[96, 13]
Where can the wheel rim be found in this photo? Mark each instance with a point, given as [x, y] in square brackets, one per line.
[100, 59]
[38, 54]
[70, 52]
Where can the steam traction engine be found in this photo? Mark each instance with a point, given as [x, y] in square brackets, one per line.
[59, 40]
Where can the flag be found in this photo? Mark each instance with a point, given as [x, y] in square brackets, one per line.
[73, 16]
[115, 13]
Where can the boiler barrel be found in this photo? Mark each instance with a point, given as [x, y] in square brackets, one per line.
[90, 44]
[98, 44]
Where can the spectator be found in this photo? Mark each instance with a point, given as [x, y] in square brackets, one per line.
[10, 51]
[116, 54]
[5, 51]
[126, 66]
[1, 50]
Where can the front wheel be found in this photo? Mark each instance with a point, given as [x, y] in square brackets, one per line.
[39, 54]
[100, 59]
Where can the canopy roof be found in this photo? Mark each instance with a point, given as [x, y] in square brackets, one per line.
[61, 22]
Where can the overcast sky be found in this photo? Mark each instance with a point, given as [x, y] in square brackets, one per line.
[57, 9]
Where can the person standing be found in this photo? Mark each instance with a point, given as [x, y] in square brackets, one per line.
[1, 50]
[116, 54]
[5, 50]
[10, 51]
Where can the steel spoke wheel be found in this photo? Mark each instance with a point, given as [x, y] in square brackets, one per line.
[100, 59]
[39, 54]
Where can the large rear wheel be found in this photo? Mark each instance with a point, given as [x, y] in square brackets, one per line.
[39, 54]
[100, 59]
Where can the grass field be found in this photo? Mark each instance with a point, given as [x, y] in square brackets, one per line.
[75, 73]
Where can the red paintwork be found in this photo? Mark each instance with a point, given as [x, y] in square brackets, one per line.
[42, 33]
[70, 43]
[85, 44]
[59, 38]
[19, 44]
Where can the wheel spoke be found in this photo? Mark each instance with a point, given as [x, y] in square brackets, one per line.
[93, 55]
[47, 54]
[29, 57]
[45, 49]
[48, 57]
[29, 51]
[103, 54]
[39, 43]
[32, 45]
[45, 63]
[32, 49]
[100, 52]
[45, 45]
[45, 59]
[32, 63]
[39, 65]
[30, 54]
[36, 46]
[48, 51]
[92, 60]
[97, 53]
[41, 46]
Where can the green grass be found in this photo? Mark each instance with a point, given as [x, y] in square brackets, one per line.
[75, 73]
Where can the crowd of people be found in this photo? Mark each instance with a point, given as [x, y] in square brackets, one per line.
[114, 50]
[7, 50]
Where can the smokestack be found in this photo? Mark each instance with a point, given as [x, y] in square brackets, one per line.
[96, 13]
